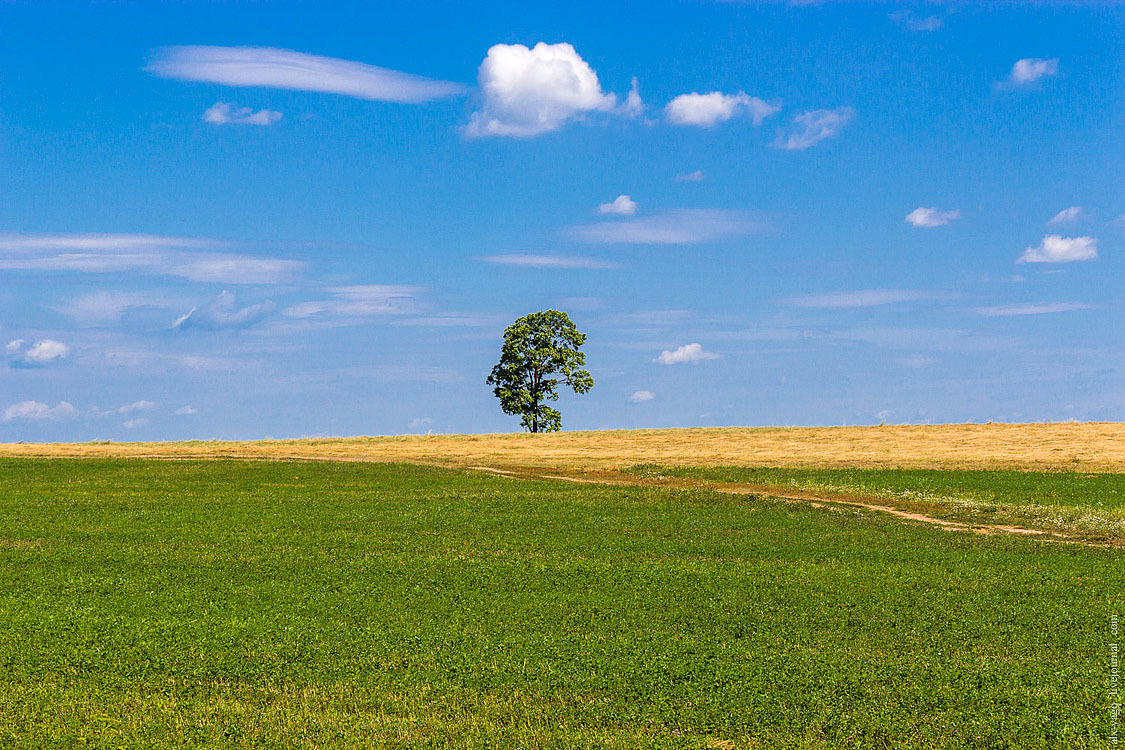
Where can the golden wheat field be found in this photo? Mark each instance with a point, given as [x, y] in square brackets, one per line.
[1093, 447]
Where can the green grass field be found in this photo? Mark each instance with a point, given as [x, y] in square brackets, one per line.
[289, 604]
[1090, 504]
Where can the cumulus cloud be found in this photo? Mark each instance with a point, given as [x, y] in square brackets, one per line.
[927, 218]
[222, 113]
[141, 405]
[1034, 308]
[37, 411]
[696, 176]
[1067, 215]
[184, 257]
[706, 110]
[138, 422]
[860, 298]
[640, 396]
[678, 227]
[686, 353]
[185, 411]
[525, 92]
[40, 354]
[1056, 249]
[810, 128]
[224, 313]
[1031, 69]
[286, 69]
[622, 205]
[549, 261]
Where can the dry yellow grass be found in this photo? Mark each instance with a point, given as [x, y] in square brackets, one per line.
[1094, 447]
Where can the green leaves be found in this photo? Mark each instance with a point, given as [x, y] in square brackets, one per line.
[537, 348]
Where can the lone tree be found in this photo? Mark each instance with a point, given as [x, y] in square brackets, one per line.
[537, 348]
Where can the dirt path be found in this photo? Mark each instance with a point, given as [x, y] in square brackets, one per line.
[813, 499]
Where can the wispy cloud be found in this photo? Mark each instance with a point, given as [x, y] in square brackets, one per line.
[928, 218]
[906, 19]
[186, 411]
[707, 110]
[810, 128]
[1067, 216]
[1056, 249]
[40, 354]
[696, 176]
[622, 205]
[1034, 308]
[223, 313]
[270, 67]
[102, 307]
[642, 396]
[188, 258]
[678, 227]
[453, 320]
[136, 406]
[526, 92]
[860, 298]
[360, 301]
[550, 261]
[222, 113]
[685, 353]
[1031, 69]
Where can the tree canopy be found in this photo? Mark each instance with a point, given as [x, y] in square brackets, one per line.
[540, 351]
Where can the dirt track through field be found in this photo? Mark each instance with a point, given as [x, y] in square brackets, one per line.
[812, 499]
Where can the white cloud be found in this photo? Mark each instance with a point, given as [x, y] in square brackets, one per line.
[36, 411]
[285, 69]
[14, 346]
[103, 307]
[622, 205]
[907, 20]
[141, 405]
[810, 128]
[222, 113]
[1067, 215]
[706, 110]
[860, 298]
[640, 396]
[224, 313]
[139, 422]
[526, 92]
[45, 351]
[679, 227]
[1031, 69]
[549, 261]
[633, 106]
[928, 218]
[686, 353]
[696, 176]
[360, 301]
[189, 258]
[185, 411]
[1034, 308]
[1056, 249]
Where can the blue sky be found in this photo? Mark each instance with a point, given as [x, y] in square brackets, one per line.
[241, 220]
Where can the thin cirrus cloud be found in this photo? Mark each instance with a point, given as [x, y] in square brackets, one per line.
[928, 218]
[859, 298]
[676, 227]
[526, 92]
[527, 260]
[359, 301]
[622, 205]
[1057, 249]
[905, 19]
[696, 176]
[1034, 308]
[707, 110]
[270, 67]
[188, 258]
[224, 113]
[223, 313]
[1031, 69]
[684, 354]
[810, 128]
